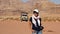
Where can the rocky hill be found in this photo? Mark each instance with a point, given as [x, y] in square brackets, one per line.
[15, 7]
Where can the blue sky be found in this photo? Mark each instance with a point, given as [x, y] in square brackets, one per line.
[25, 1]
[54, 1]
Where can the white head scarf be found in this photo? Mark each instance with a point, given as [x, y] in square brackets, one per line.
[34, 17]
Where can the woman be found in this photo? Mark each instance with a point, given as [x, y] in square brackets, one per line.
[35, 22]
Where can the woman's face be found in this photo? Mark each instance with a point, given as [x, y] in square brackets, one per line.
[36, 14]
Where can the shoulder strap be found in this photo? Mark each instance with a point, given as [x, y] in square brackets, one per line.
[40, 21]
[31, 19]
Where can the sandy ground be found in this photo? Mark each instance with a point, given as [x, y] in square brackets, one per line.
[51, 28]
[17, 27]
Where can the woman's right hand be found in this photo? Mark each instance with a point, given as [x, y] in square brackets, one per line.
[33, 30]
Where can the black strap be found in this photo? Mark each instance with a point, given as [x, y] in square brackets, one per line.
[31, 19]
[40, 22]
[37, 23]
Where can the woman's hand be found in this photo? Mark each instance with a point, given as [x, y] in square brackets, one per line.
[33, 30]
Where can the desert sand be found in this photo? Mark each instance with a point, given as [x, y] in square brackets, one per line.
[17, 27]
